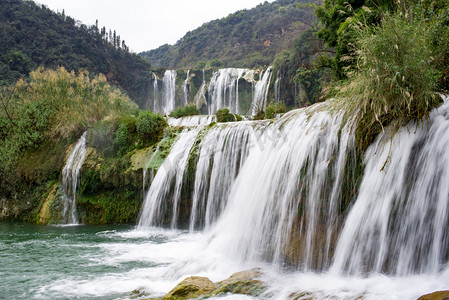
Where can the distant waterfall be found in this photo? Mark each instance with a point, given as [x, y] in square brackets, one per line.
[169, 92]
[155, 94]
[200, 97]
[224, 90]
[185, 89]
[277, 87]
[261, 92]
[70, 177]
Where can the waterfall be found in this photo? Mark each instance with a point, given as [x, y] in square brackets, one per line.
[155, 94]
[223, 90]
[70, 177]
[283, 206]
[278, 192]
[261, 92]
[166, 186]
[399, 222]
[185, 89]
[200, 97]
[223, 151]
[277, 87]
[192, 120]
[169, 92]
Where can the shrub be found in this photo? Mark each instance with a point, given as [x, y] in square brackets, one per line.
[275, 108]
[188, 110]
[150, 126]
[394, 79]
[223, 115]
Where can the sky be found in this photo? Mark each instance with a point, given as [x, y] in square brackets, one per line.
[148, 24]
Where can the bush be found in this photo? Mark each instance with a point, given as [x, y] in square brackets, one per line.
[394, 80]
[150, 127]
[275, 108]
[223, 115]
[188, 110]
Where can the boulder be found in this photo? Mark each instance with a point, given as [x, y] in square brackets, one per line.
[441, 295]
[245, 282]
[191, 287]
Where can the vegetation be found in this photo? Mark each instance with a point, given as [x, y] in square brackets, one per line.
[223, 115]
[301, 68]
[273, 109]
[394, 80]
[40, 118]
[247, 38]
[34, 36]
[150, 127]
[188, 110]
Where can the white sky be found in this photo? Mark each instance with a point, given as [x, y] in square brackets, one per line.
[148, 24]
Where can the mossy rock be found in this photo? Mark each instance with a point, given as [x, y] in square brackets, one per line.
[139, 158]
[191, 287]
[47, 213]
[441, 295]
[245, 282]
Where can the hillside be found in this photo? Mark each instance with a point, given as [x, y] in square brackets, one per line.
[33, 36]
[247, 38]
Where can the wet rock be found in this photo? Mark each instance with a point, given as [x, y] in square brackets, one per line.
[191, 287]
[245, 282]
[441, 295]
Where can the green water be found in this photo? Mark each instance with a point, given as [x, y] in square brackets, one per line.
[78, 262]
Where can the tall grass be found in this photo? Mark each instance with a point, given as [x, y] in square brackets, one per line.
[394, 79]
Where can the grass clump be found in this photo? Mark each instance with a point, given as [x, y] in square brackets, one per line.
[394, 77]
[188, 110]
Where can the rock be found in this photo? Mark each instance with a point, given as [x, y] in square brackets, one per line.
[245, 282]
[46, 214]
[191, 287]
[441, 295]
[140, 158]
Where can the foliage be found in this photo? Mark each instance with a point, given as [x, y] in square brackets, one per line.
[54, 105]
[188, 110]
[247, 38]
[275, 108]
[302, 71]
[338, 17]
[394, 79]
[34, 36]
[150, 126]
[223, 115]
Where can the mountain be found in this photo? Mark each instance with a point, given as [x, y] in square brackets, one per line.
[32, 35]
[247, 38]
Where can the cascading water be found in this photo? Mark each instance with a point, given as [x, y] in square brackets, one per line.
[200, 97]
[224, 90]
[399, 222]
[185, 89]
[277, 87]
[70, 176]
[223, 151]
[155, 94]
[261, 92]
[192, 120]
[168, 103]
[283, 207]
[167, 183]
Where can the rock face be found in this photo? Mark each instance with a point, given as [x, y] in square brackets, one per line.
[245, 282]
[191, 287]
[441, 295]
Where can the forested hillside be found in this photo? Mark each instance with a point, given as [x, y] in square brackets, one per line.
[33, 36]
[247, 38]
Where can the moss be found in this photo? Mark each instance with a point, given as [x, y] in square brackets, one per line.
[191, 287]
